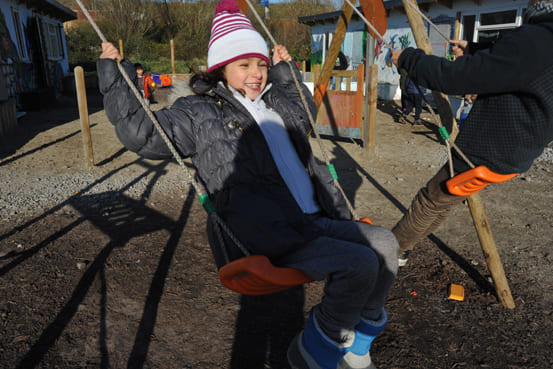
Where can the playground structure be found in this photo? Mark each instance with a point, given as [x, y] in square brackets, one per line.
[415, 19]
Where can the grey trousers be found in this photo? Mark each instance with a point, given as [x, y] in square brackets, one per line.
[430, 207]
[359, 263]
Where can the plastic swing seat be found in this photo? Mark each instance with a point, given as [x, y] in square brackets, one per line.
[474, 180]
[255, 275]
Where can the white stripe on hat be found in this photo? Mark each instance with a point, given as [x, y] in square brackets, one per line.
[233, 37]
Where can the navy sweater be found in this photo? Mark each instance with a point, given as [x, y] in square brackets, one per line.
[511, 121]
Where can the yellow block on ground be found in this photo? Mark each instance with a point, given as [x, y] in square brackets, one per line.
[456, 292]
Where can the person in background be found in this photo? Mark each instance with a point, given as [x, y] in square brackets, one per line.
[511, 120]
[410, 98]
[144, 83]
[465, 109]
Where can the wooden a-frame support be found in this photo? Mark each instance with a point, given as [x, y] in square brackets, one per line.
[333, 50]
[475, 203]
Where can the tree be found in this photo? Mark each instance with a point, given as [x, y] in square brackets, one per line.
[147, 26]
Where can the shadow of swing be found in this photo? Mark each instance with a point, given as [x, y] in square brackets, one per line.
[121, 218]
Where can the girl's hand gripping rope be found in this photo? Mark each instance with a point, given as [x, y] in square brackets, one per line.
[109, 51]
[280, 53]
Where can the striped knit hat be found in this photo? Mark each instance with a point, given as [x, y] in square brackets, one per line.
[233, 37]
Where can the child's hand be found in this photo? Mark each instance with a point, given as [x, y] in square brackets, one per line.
[459, 47]
[396, 53]
[110, 52]
[279, 54]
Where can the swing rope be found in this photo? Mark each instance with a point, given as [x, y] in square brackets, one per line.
[189, 179]
[312, 123]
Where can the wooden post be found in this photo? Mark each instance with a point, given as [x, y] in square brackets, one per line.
[477, 209]
[173, 56]
[121, 48]
[490, 251]
[333, 50]
[83, 113]
[457, 26]
[423, 42]
[372, 92]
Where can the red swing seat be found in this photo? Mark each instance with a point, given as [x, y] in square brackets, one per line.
[474, 180]
[255, 275]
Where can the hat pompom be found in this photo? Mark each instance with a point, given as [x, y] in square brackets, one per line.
[229, 6]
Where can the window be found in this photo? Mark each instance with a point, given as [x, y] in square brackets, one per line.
[493, 25]
[468, 27]
[492, 19]
[60, 40]
[53, 41]
[487, 27]
[21, 43]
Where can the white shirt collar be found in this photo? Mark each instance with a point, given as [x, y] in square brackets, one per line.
[241, 97]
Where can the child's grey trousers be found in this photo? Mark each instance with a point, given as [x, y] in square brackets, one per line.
[359, 263]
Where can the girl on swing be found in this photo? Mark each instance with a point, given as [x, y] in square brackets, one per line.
[246, 131]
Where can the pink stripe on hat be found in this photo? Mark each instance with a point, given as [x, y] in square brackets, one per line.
[233, 37]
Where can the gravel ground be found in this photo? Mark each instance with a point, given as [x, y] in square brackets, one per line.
[109, 266]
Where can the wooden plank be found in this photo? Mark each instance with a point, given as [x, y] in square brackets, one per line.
[341, 111]
[121, 48]
[173, 56]
[372, 91]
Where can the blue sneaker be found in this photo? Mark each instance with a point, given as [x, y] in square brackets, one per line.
[312, 349]
[358, 356]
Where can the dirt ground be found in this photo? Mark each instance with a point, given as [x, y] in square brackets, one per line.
[123, 276]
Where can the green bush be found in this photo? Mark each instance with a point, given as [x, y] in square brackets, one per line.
[163, 65]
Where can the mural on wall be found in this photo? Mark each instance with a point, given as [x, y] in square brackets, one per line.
[399, 38]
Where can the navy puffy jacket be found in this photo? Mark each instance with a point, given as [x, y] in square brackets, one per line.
[231, 155]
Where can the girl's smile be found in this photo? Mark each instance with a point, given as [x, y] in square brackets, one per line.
[248, 75]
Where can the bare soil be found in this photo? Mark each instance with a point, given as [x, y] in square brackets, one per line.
[125, 279]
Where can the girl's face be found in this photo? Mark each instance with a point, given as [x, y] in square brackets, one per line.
[248, 75]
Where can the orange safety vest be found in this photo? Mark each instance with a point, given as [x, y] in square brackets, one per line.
[147, 83]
